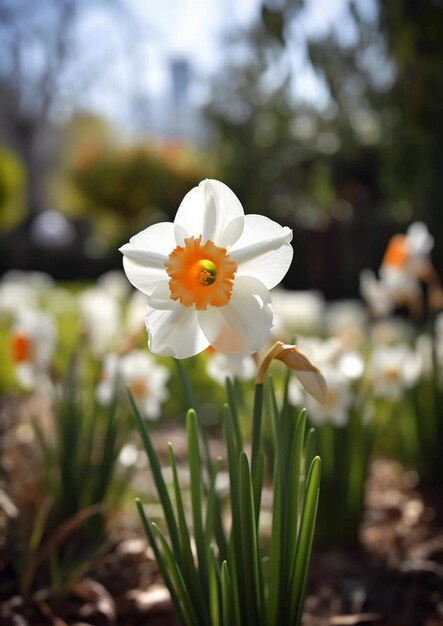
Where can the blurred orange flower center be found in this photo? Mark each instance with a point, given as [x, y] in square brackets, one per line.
[392, 374]
[21, 348]
[138, 388]
[331, 398]
[200, 275]
[396, 253]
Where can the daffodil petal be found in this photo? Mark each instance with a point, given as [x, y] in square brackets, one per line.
[232, 232]
[208, 209]
[180, 234]
[263, 250]
[145, 255]
[160, 298]
[244, 324]
[175, 332]
[314, 383]
[144, 278]
[158, 239]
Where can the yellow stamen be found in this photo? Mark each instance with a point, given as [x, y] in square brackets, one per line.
[206, 272]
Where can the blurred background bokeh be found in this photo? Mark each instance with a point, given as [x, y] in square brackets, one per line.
[325, 116]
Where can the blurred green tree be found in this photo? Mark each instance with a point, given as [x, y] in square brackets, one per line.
[44, 69]
[122, 188]
[369, 151]
[12, 183]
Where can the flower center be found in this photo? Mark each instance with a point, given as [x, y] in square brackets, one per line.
[138, 388]
[396, 253]
[206, 272]
[200, 275]
[392, 374]
[21, 348]
[331, 398]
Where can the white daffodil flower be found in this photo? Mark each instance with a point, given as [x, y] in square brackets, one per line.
[145, 378]
[347, 320]
[32, 344]
[337, 403]
[207, 275]
[220, 366]
[297, 313]
[100, 316]
[339, 367]
[135, 312]
[115, 284]
[393, 369]
[405, 263]
[419, 242]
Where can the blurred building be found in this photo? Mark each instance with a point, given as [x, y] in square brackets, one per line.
[173, 114]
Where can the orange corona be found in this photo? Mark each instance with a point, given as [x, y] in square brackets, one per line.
[138, 388]
[200, 275]
[396, 253]
[20, 348]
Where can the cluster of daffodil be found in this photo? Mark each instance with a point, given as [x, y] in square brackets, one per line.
[204, 288]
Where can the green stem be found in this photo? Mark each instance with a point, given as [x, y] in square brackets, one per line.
[256, 424]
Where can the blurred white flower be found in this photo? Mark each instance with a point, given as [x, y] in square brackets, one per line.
[340, 367]
[406, 261]
[297, 313]
[321, 351]
[439, 346]
[135, 312]
[146, 379]
[337, 402]
[32, 344]
[40, 281]
[15, 297]
[351, 365]
[208, 275]
[129, 455]
[347, 320]
[393, 369]
[375, 293]
[424, 347]
[100, 317]
[60, 300]
[220, 366]
[115, 284]
[419, 243]
[392, 330]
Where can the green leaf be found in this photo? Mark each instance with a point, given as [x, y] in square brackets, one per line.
[235, 551]
[256, 425]
[186, 560]
[182, 590]
[211, 503]
[292, 499]
[196, 482]
[233, 405]
[301, 562]
[158, 478]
